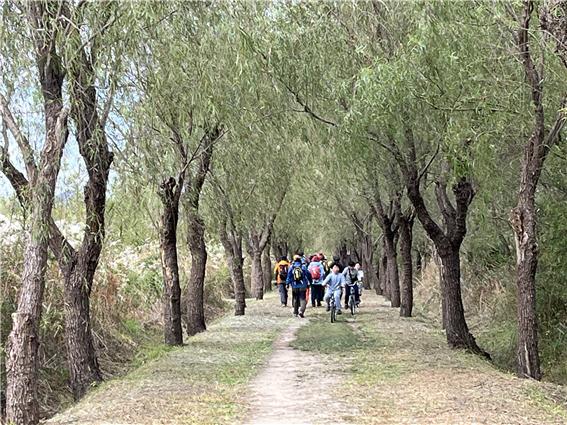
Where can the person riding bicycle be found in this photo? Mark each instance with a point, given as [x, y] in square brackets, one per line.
[334, 283]
[299, 278]
[351, 278]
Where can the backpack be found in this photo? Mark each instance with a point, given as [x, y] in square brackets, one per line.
[355, 278]
[315, 271]
[297, 274]
[282, 272]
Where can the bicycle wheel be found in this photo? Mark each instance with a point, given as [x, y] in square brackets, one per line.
[352, 304]
[333, 314]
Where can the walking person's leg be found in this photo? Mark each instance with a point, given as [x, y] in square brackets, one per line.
[313, 294]
[295, 301]
[302, 295]
[281, 288]
[320, 296]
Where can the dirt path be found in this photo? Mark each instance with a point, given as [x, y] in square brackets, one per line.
[295, 386]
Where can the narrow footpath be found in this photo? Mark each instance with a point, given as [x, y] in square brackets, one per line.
[295, 387]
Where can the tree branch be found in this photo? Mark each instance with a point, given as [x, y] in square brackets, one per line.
[21, 140]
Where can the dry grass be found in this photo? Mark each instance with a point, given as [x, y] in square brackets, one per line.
[201, 383]
[409, 375]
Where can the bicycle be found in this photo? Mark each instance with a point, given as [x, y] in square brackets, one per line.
[333, 308]
[352, 298]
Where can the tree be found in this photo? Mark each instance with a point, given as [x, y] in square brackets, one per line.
[523, 217]
[196, 233]
[406, 220]
[23, 343]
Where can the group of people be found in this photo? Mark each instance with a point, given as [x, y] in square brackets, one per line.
[320, 278]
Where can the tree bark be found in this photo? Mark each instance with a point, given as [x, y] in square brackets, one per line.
[231, 240]
[279, 248]
[383, 272]
[406, 226]
[196, 284]
[237, 275]
[370, 278]
[392, 268]
[267, 268]
[257, 275]
[23, 341]
[343, 254]
[169, 193]
[196, 234]
[232, 243]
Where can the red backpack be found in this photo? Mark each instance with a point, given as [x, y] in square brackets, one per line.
[315, 271]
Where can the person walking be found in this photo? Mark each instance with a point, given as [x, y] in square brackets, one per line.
[299, 278]
[333, 283]
[317, 272]
[337, 261]
[360, 280]
[280, 273]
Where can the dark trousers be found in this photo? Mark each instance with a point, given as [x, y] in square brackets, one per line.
[283, 293]
[353, 288]
[317, 293]
[299, 300]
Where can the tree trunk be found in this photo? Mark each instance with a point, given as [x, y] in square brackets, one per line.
[370, 280]
[233, 251]
[196, 285]
[173, 333]
[257, 275]
[457, 331]
[279, 248]
[267, 268]
[406, 225]
[343, 253]
[383, 272]
[392, 269]
[196, 235]
[82, 361]
[237, 275]
[523, 219]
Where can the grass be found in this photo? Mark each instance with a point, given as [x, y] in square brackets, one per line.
[547, 403]
[324, 337]
[203, 382]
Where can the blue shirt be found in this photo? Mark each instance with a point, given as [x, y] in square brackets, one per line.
[335, 281]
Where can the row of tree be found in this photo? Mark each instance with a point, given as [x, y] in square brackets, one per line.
[269, 127]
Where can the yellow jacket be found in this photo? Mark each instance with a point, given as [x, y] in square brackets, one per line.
[279, 264]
